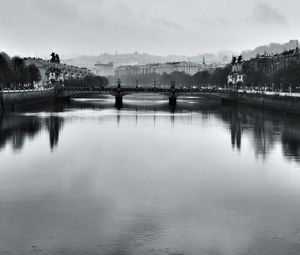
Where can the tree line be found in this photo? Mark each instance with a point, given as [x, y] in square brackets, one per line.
[15, 74]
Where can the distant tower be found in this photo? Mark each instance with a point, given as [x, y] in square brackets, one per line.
[203, 61]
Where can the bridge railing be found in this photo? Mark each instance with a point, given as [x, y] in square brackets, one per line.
[168, 90]
[139, 89]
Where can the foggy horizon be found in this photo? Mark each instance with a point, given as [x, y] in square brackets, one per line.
[116, 52]
[76, 28]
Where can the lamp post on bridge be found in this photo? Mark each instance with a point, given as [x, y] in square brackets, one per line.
[154, 86]
[119, 84]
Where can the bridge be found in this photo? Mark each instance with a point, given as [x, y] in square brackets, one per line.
[120, 91]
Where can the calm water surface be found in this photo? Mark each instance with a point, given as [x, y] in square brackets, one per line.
[87, 178]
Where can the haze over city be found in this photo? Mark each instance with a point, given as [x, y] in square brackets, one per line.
[91, 27]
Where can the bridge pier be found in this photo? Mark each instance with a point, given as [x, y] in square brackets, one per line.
[118, 95]
[172, 100]
[119, 100]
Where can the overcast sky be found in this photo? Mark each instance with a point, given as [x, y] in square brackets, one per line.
[30, 27]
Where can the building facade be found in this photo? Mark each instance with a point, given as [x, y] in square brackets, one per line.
[271, 64]
[104, 69]
[187, 67]
[56, 72]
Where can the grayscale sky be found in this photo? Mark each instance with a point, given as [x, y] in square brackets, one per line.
[30, 27]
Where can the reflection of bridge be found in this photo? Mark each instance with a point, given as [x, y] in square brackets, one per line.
[268, 129]
[119, 92]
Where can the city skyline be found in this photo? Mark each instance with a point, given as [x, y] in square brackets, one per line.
[158, 27]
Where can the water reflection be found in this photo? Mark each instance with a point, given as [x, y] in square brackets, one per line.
[265, 129]
[16, 128]
[54, 125]
[268, 129]
[149, 179]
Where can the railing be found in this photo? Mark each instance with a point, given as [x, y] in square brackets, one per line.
[25, 90]
[126, 89]
[271, 93]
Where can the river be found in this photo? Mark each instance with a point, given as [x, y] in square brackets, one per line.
[201, 178]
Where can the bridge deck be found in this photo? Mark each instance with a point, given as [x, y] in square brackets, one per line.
[72, 92]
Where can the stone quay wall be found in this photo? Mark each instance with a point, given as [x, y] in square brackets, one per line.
[286, 104]
[9, 99]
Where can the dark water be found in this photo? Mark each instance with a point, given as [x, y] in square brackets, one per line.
[87, 178]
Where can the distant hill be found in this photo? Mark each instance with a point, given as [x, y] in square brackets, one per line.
[144, 58]
[272, 48]
[136, 58]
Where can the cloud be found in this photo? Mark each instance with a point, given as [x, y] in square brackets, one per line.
[170, 24]
[214, 21]
[266, 14]
[91, 26]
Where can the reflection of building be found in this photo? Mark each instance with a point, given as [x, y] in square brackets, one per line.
[268, 129]
[104, 69]
[54, 125]
[187, 67]
[56, 72]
